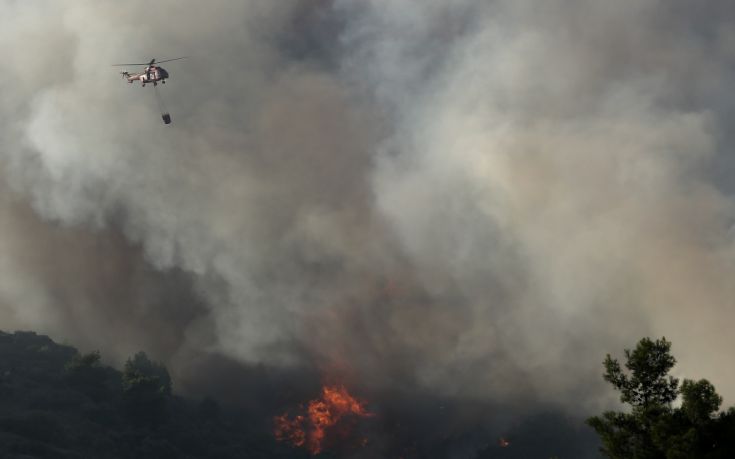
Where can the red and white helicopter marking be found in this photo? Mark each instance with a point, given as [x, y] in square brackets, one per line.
[152, 73]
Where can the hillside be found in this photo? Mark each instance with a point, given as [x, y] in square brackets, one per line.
[56, 403]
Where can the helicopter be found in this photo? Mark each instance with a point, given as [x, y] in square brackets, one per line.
[151, 74]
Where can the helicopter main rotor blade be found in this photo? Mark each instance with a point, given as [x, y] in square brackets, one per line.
[174, 59]
[152, 61]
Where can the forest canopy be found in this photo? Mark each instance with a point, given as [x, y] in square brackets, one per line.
[58, 403]
[652, 427]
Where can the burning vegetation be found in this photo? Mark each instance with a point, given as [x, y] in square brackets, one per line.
[329, 419]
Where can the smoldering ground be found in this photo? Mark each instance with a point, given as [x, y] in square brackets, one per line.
[476, 200]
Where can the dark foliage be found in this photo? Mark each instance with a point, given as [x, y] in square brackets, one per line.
[653, 428]
[57, 403]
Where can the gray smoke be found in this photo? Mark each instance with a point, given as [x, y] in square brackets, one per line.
[473, 198]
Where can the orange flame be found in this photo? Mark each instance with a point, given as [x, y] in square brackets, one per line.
[322, 414]
[289, 430]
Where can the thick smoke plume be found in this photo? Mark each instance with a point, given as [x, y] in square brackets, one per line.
[476, 199]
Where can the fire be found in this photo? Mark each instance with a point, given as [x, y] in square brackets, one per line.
[289, 430]
[321, 418]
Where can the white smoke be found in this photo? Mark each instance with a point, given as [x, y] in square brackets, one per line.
[481, 198]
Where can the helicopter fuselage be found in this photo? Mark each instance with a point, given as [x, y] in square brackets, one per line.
[151, 74]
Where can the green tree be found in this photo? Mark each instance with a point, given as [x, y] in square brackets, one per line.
[651, 428]
[648, 383]
[83, 361]
[140, 366]
[146, 388]
[700, 401]
[85, 373]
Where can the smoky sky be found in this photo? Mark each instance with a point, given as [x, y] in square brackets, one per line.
[477, 199]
